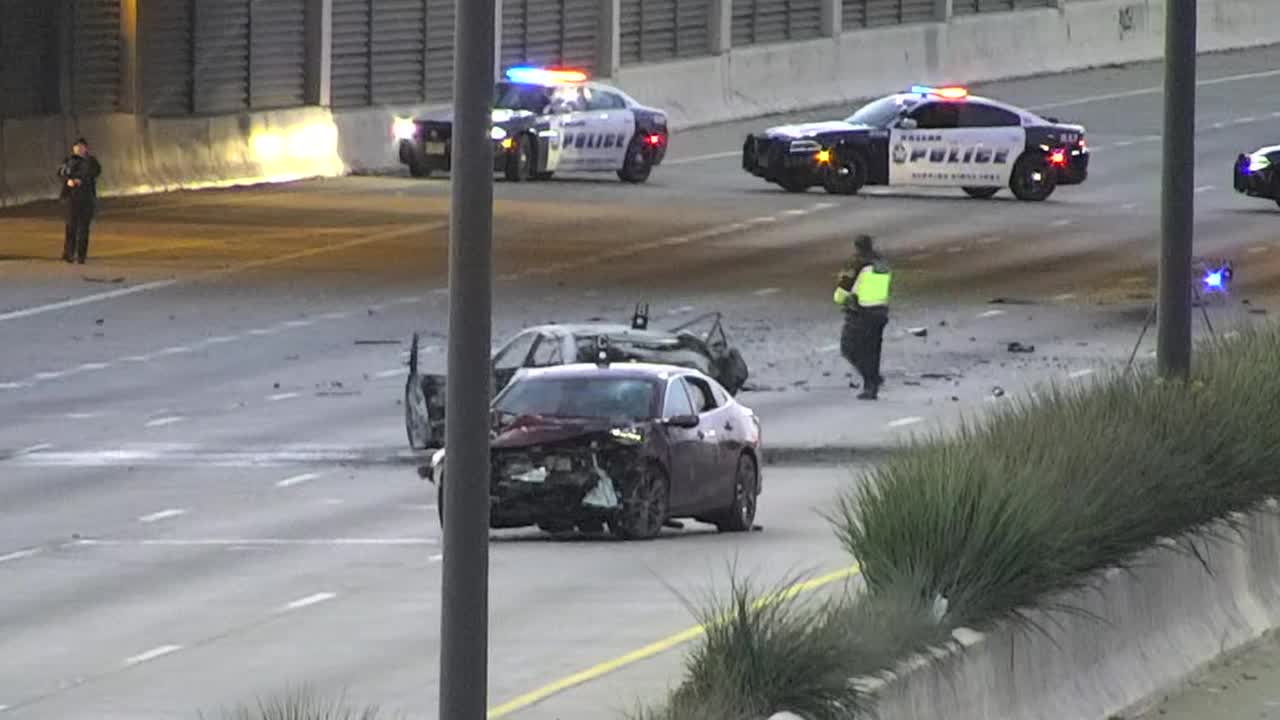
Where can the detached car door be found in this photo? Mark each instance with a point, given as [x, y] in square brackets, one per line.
[511, 357]
[683, 445]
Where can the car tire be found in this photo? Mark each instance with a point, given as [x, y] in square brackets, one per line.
[419, 169]
[740, 516]
[520, 163]
[847, 173]
[1032, 179]
[793, 186]
[543, 176]
[644, 505]
[981, 193]
[638, 165]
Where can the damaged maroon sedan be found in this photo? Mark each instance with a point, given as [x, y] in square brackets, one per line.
[629, 447]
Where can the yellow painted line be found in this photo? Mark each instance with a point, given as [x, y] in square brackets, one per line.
[598, 671]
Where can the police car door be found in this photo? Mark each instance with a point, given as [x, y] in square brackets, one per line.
[567, 115]
[941, 149]
[615, 124]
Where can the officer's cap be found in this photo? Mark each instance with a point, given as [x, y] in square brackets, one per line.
[862, 242]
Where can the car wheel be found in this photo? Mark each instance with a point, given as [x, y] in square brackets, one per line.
[1032, 180]
[644, 505]
[543, 176]
[981, 193]
[520, 163]
[846, 174]
[419, 169]
[638, 165]
[741, 515]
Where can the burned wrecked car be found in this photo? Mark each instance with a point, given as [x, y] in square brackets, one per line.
[552, 345]
[629, 447]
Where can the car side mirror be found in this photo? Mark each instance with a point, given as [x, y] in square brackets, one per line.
[687, 422]
[908, 124]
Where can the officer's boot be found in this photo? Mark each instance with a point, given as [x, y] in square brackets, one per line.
[870, 391]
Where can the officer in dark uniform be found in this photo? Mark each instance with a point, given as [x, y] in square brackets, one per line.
[863, 292]
[79, 176]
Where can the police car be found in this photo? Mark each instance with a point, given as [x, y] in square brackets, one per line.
[548, 120]
[1257, 174]
[925, 137]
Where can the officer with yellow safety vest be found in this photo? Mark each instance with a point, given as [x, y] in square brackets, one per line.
[863, 292]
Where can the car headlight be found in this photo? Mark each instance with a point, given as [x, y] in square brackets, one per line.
[497, 133]
[805, 146]
[1259, 163]
[404, 128]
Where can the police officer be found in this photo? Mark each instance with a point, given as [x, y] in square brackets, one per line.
[79, 175]
[863, 292]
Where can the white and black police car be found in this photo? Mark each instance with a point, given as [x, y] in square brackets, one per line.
[925, 137]
[548, 120]
[1257, 174]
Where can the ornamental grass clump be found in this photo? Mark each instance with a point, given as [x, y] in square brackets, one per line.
[1008, 514]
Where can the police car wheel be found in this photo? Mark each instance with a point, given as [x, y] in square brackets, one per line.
[847, 174]
[1032, 180]
[637, 166]
[543, 175]
[982, 193]
[419, 169]
[520, 163]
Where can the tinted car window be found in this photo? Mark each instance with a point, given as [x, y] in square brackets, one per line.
[976, 114]
[879, 113]
[937, 115]
[518, 96]
[604, 100]
[703, 400]
[597, 398]
[677, 400]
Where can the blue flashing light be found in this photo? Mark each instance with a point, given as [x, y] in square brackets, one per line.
[544, 76]
[1214, 280]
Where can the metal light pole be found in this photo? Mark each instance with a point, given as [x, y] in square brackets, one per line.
[1177, 217]
[464, 633]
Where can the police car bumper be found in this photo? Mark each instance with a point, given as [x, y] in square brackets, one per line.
[778, 162]
[1254, 183]
[438, 156]
[1076, 169]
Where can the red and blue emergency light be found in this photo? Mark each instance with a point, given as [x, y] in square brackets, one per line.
[951, 92]
[545, 76]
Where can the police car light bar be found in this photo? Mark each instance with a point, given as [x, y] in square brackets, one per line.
[539, 76]
[950, 93]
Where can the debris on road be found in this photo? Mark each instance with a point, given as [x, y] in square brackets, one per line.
[1017, 347]
[997, 391]
[919, 332]
[1009, 301]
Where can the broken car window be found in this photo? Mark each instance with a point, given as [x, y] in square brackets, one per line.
[703, 400]
[515, 353]
[598, 398]
[547, 353]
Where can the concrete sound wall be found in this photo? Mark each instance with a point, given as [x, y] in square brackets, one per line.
[1152, 627]
[142, 154]
[766, 79]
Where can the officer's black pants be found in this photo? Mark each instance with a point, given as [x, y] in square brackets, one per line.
[79, 218]
[861, 339]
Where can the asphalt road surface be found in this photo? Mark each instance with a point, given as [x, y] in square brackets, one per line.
[203, 492]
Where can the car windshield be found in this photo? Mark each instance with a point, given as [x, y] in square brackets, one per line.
[578, 397]
[519, 96]
[880, 113]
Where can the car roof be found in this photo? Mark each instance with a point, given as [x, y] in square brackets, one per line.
[1028, 117]
[589, 84]
[650, 371]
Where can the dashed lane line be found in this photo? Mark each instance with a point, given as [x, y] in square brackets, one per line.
[1203, 189]
[1152, 90]
[162, 515]
[297, 480]
[283, 396]
[164, 421]
[19, 555]
[992, 313]
[903, 422]
[152, 654]
[1085, 372]
[767, 291]
[265, 542]
[310, 600]
[86, 300]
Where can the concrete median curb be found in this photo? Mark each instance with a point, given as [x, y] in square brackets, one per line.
[814, 455]
[1140, 633]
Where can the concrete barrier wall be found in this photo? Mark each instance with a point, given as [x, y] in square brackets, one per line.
[765, 79]
[1153, 627]
[142, 154]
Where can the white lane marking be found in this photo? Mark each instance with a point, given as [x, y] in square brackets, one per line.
[162, 515]
[1246, 119]
[991, 314]
[152, 654]
[1218, 125]
[19, 555]
[221, 339]
[136, 358]
[682, 310]
[297, 480]
[1062, 222]
[86, 300]
[335, 316]
[13, 385]
[902, 422]
[1128, 206]
[390, 373]
[298, 323]
[436, 558]
[82, 415]
[161, 422]
[1064, 296]
[1204, 188]
[703, 158]
[990, 240]
[175, 350]
[33, 449]
[282, 396]
[440, 291]
[310, 600]
[796, 212]
[762, 220]
[1258, 249]
[767, 291]
[263, 331]
[50, 375]
[829, 348]
[824, 205]
[1123, 143]
[409, 299]
[1081, 373]
[1152, 90]
[91, 367]
[284, 542]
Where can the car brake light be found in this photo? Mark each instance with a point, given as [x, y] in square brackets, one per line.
[1059, 157]
[654, 140]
